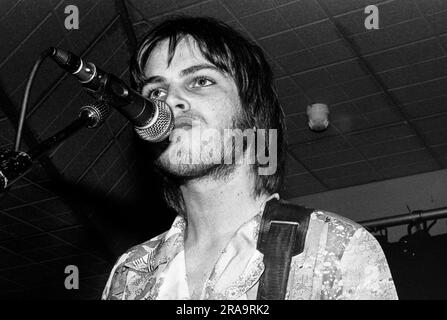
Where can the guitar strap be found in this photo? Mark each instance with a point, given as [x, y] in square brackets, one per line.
[282, 235]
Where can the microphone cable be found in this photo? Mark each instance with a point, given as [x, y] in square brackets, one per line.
[45, 54]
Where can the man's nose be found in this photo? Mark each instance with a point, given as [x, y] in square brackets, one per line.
[176, 99]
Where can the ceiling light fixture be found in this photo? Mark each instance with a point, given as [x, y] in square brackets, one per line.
[318, 114]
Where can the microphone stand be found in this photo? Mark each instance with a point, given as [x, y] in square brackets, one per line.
[15, 164]
[65, 133]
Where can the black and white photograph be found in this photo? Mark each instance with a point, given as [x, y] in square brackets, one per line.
[236, 150]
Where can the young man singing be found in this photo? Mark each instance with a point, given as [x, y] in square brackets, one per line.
[216, 82]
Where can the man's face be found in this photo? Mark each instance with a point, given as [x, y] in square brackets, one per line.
[202, 98]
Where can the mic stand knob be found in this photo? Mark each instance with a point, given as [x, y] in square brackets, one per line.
[95, 114]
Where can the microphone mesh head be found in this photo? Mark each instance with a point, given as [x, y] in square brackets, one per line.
[160, 126]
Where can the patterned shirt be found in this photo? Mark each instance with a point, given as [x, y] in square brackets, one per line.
[340, 260]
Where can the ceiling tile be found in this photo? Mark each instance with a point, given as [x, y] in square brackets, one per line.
[293, 167]
[360, 87]
[401, 159]
[151, 8]
[10, 260]
[49, 223]
[113, 175]
[426, 107]
[6, 6]
[399, 77]
[299, 13]
[410, 93]
[332, 52]
[93, 23]
[107, 159]
[307, 135]
[42, 118]
[318, 33]
[26, 275]
[372, 103]
[329, 95]
[278, 71]
[295, 180]
[351, 169]
[431, 123]
[287, 87]
[348, 181]
[302, 190]
[352, 23]
[82, 158]
[429, 7]
[294, 104]
[8, 200]
[397, 11]
[256, 25]
[14, 71]
[320, 147]
[20, 230]
[346, 70]
[8, 130]
[422, 50]
[296, 121]
[241, 8]
[30, 193]
[438, 22]
[317, 78]
[379, 135]
[19, 22]
[441, 150]
[409, 169]
[53, 206]
[210, 9]
[5, 219]
[27, 213]
[343, 111]
[333, 159]
[420, 72]
[391, 147]
[116, 122]
[350, 123]
[383, 117]
[436, 137]
[5, 235]
[409, 31]
[372, 41]
[281, 43]
[298, 61]
[435, 87]
[385, 60]
[337, 7]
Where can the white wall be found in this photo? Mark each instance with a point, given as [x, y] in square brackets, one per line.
[386, 198]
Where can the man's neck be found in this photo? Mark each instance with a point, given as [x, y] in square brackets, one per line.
[216, 208]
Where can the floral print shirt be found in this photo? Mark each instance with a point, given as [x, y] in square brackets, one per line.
[340, 260]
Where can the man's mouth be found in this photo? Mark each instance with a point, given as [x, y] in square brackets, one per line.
[183, 126]
[184, 123]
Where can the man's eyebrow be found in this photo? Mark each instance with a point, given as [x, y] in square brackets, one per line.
[183, 73]
[196, 68]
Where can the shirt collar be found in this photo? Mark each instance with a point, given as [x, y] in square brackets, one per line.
[170, 244]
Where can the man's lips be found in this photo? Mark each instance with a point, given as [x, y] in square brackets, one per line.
[184, 122]
[183, 126]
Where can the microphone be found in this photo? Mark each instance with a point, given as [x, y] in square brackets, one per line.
[152, 119]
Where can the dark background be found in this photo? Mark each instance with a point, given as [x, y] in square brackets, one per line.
[95, 195]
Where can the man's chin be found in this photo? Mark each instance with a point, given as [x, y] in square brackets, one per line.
[183, 171]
